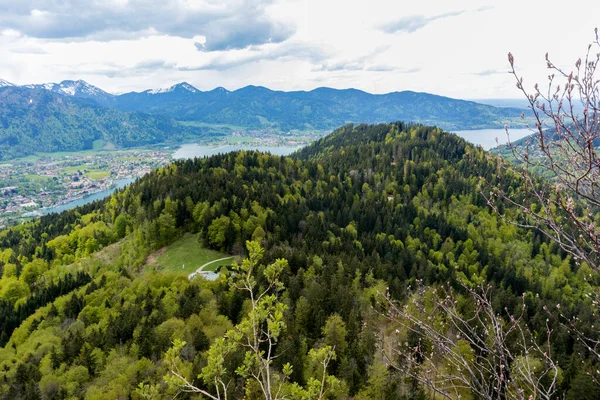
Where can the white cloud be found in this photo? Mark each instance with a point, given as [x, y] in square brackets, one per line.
[451, 48]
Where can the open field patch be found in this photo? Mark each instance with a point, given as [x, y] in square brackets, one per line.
[185, 256]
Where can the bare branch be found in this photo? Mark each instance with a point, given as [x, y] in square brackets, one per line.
[454, 352]
[564, 150]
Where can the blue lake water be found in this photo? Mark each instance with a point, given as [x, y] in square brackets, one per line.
[196, 150]
[487, 137]
[119, 183]
[483, 137]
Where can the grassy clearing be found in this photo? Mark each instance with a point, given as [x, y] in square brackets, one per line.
[97, 174]
[109, 146]
[185, 256]
[213, 266]
[240, 139]
[72, 169]
[37, 178]
[102, 144]
[98, 144]
[90, 173]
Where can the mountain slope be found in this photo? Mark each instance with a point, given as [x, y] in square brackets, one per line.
[318, 109]
[360, 216]
[171, 101]
[322, 108]
[33, 120]
[79, 89]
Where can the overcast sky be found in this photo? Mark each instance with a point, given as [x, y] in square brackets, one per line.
[455, 48]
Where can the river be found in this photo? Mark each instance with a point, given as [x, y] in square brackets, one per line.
[119, 183]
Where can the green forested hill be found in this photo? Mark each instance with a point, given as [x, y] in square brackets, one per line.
[366, 212]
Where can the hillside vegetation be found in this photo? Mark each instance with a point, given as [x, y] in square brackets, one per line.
[72, 115]
[360, 217]
[322, 108]
[41, 121]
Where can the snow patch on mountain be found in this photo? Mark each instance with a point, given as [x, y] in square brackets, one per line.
[183, 85]
[220, 89]
[157, 91]
[188, 87]
[4, 83]
[68, 90]
[71, 88]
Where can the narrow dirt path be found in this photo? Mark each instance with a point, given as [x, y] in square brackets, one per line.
[200, 268]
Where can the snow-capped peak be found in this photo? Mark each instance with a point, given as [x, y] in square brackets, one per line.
[70, 88]
[4, 83]
[67, 87]
[79, 87]
[187, 87]
[220, 89]
[183, 85]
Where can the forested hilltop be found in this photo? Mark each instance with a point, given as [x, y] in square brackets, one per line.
[354, 243]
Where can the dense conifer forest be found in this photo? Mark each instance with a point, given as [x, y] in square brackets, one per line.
[340, 236]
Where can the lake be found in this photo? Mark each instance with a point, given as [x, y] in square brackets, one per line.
[484, 137]
[119, 183]
[487, 137]
[197, 150]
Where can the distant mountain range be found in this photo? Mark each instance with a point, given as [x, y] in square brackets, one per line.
[319, 109]
[85, 112]
[4, 83]
[39, 120]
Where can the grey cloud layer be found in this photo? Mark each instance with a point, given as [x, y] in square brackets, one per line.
[221, 62]
[413, 23]
[284, 51]
[362, 63]
[226, 25]
[241, 30]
